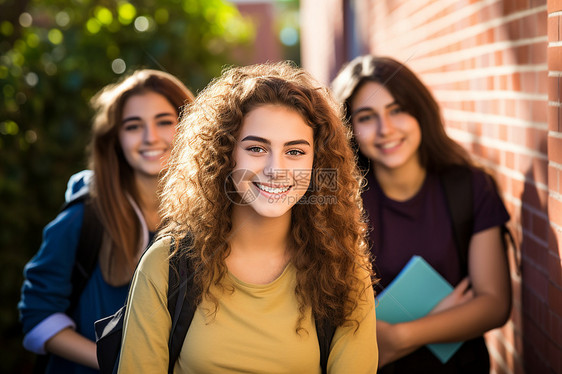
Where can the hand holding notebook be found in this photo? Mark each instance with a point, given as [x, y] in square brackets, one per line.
[413, 294]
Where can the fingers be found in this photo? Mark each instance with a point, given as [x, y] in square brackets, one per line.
[463, 286]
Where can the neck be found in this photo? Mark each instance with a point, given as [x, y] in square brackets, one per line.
[401, 183]
[252, 233]
[258, 245]
[148, 200]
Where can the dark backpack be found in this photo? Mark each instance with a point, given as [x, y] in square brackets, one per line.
[457, 185]
[109, 329]
[181, 308]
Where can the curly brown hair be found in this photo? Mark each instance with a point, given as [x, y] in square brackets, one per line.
[327, 241]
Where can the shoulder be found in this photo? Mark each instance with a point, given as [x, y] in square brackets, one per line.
[155, 261]
[460, 174]
[68, 220]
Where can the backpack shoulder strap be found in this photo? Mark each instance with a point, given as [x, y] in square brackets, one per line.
[87, 250]
[457, 185]
[325, 332]
[180, 301]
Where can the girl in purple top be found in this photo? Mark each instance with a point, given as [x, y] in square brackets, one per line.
[404, 150]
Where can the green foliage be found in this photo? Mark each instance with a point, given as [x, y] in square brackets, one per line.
[55, 55]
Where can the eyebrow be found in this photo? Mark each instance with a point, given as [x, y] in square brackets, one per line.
[266, 141]
[363, 109]
[137, 118]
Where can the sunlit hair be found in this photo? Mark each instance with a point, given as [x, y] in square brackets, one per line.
[327, 241]
[437, 151]
[113, 176]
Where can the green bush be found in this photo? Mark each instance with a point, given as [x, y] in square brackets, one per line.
[54, 56]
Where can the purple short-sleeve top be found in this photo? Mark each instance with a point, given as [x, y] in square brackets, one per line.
[422, 225]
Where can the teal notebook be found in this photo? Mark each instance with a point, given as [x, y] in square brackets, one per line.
[413, 294]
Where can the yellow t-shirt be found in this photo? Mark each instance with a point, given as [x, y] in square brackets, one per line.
[252, 332]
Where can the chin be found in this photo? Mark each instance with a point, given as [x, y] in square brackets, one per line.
[271, 210]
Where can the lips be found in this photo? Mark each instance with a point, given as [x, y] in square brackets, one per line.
[153, 153]
[272, 189]
[389, 145]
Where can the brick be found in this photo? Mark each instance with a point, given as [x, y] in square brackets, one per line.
[536, 139]
[528, 26]
[542, 23]
[555, 243]
[555, 299]
[516, 82]
[554, 88]
[554, 116]
[554, 58]
[509, 110]
[536, 253]
[517, 188]
[533, 333]
[524, 111]
[540, 174]
[540, 228]
[554, 174]
[554, 6]
[539, 111]
[538, 53]
[555, 149]
[553, 29]
[509, 57]
[509, 157]
[555, 210]
[542, 80]
[559, 27]
[528, 82]
[533, 197]
[536, 282]
[555, 269]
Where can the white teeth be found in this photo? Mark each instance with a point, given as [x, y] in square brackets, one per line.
[272, 189]
[152, 153]
[390, 145]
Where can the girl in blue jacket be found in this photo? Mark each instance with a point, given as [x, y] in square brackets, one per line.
[133, 129]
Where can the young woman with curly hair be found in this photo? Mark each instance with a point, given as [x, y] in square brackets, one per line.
[409, 162]
[133, 128]
[263, 179]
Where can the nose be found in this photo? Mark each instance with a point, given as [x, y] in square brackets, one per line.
[150, 133]
[275, 166]
[385, 125]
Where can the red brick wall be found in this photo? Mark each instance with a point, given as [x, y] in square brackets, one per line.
[266, 46]
[495, 66]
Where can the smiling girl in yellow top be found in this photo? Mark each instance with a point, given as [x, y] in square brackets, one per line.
[263, 178]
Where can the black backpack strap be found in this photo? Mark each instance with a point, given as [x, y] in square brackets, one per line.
[180, 301]
[325, 332]
[87, 251]
[457, 185]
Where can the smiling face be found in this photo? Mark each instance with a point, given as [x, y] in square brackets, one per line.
[148, 127]
[385, 133]
[273, 157]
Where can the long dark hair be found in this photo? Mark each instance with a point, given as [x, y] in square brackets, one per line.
[113, 176]
[437, 150]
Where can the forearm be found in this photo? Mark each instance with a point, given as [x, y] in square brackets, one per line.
[460, 323]
[74, 347]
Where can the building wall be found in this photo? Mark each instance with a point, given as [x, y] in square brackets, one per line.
[266, 46]
[495, 66]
